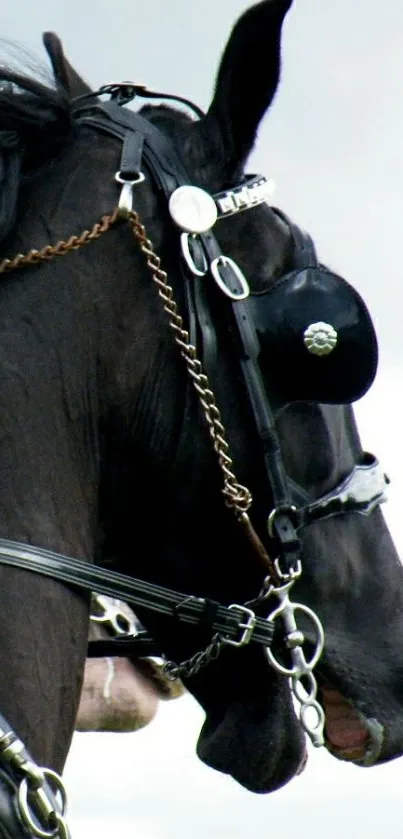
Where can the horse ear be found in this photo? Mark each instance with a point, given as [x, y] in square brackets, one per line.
[247, 78]
[65, 75]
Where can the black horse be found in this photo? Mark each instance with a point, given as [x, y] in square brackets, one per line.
[104, 450]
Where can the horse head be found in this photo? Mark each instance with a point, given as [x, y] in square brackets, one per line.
[106, 452]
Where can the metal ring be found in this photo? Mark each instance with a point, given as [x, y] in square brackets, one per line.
[293, 573]
[140, 177]
[299, 690]
[226, 261]
[184, 239]
[296, 670]
[57, 786]
[315, 730]
[125, 204]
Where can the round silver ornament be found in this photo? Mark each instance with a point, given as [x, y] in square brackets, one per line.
[193, 209]
[320, 338]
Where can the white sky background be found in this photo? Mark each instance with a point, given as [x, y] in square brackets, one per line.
[333, 142]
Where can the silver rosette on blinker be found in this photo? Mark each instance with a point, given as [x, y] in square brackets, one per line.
[320, 338]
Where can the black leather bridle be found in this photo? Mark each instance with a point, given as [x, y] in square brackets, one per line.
[32, 791]
[237, 625]
[359, 492]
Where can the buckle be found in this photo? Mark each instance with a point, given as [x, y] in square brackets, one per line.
[287, 510]
[246, 626]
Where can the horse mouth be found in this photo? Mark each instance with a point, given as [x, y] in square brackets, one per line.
[349, 734]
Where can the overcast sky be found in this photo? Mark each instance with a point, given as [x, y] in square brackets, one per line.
[333, 143]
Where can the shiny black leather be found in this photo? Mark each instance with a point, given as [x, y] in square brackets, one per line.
[281, 315]
[11, 826]
[178, 605]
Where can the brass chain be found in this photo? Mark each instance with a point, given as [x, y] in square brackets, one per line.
[236, 496]
[33, 257]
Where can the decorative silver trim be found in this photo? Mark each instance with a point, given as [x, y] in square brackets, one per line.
[192, 209]
[360, 492]
[115, 615]
[366, 485]
[184, 239]
[126, 194]
[320, 338]
[303, 683]
[246, 626]
[226, 262]
[256, 191]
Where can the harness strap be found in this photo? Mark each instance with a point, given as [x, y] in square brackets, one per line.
[168, 171]
[132, 155]
[112, 118]
[124, 92]
[283, 525]
[229, 621]
[138, 646]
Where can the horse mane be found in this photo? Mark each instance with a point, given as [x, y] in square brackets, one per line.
[37, 114]
[35, 123]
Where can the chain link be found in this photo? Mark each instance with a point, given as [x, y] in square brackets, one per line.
[311, 713]
[236, 496]
[33, 257]
[192, 665]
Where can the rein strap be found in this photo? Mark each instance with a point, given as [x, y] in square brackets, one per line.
[237, 625]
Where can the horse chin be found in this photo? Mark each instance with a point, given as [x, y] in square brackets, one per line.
[251, 734]
[349, 734]
[254, 735]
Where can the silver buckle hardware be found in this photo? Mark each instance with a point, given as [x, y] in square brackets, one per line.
[246, 626]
